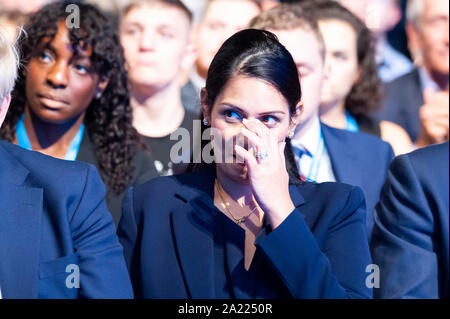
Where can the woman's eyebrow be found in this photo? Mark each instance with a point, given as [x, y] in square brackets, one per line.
[231, 105]
[273, 112]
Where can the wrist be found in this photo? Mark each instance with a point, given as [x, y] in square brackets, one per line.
[277, 215]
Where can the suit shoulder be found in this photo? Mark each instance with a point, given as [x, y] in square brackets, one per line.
[161, 187]
[371, 143]
[33, 160]
[428, 162]
[333, 192]
[400, 82]
[431, 154]
[47, 171]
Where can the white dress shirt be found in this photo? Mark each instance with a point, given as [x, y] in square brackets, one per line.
[311, 140]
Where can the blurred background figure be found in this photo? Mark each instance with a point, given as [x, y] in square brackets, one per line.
[23, 6]
[352, 89]
[155, 35]
[410, 241]
[11, 22]
[381, 16]
[71, 101]
[220, 20]
[419, 100]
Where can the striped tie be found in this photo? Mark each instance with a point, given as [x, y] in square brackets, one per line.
[299, 151]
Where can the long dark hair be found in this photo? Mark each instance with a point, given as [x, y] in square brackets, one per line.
[108, 119]
[256, 54]
[366, 94]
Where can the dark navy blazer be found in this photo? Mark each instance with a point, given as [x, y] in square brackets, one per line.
[403, 99]
[53, 215]
[359, 159]
[410, 241]
[319, 251]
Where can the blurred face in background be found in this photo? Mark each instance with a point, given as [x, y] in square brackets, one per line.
[379, 16]
[155, 38]
[431, 36]
[306, 51]
[341, 57]
[24, 6]
[221, 20]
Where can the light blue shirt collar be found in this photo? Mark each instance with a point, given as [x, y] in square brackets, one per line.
[426, 81]
[24, 142]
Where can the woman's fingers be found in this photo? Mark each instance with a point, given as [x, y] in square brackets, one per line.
[257, 127]
[254, 139]
[281, 148]
[248, 157]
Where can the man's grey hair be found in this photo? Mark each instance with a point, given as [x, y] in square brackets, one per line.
[9, 62]
[414, 10]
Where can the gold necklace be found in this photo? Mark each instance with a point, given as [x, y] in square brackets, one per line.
[238, 221]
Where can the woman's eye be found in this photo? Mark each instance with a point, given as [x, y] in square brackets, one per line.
[81, 69]
[232, 115]
[269, 120]
[131, 31]
[340, 56]
[45, 57]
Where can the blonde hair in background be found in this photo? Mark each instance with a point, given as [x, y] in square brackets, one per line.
[9, 63]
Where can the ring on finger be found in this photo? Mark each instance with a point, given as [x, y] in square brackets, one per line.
[261, 155]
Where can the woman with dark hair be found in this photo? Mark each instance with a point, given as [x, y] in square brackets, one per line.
[71, 99]
[353, 89]
[245, 226]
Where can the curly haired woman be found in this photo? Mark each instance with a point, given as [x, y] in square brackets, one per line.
[71, 100]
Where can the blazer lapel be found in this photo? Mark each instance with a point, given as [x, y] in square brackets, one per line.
[193, 228]
[343, 161]
[20, 216]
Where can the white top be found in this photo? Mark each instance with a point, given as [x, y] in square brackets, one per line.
[311, 141]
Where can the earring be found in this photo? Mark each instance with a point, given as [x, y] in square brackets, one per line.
[205, 122]
[98, 95]
[291, 134]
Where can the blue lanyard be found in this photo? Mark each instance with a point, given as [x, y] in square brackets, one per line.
[24, 142]
[317, 159]
[351, 124]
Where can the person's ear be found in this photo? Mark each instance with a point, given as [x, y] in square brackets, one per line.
[190, 53]
[4, 105]
[205, 107]
[414, 43]
[295, 119]
[101, 87]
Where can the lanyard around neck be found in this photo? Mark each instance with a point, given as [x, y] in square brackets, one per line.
[24, 142]
[316, 160]
[350, 123]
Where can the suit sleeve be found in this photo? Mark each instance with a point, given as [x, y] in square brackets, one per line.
[103, 273]
[335, 272]
[402, 239]
[128, 237]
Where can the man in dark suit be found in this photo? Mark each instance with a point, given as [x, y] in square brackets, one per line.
[57, 238]
[325, 154]
[410, 241]
[419, 100]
